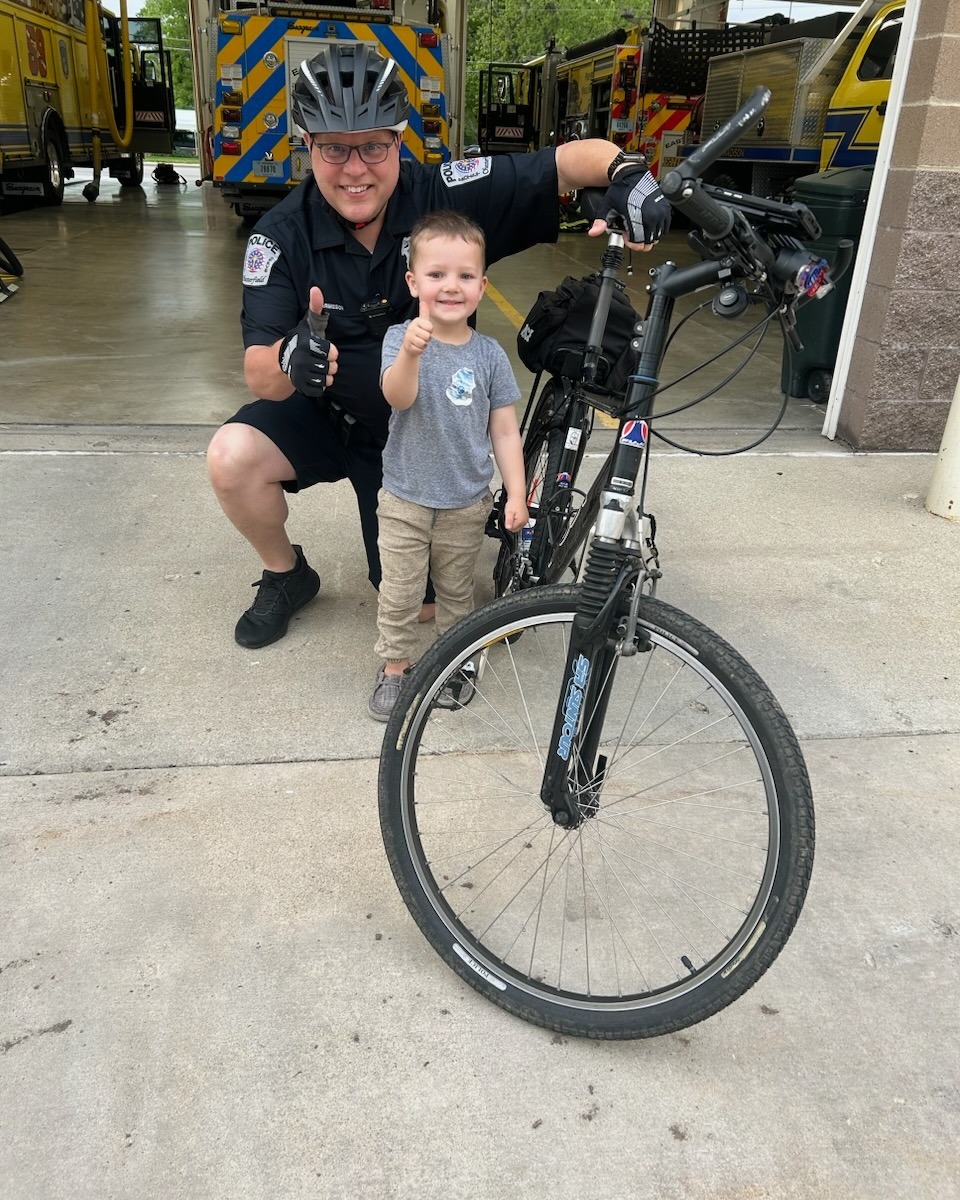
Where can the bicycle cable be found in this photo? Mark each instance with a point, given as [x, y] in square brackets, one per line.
[764, 327]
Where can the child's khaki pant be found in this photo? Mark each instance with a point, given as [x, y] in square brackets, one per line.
[414, 541]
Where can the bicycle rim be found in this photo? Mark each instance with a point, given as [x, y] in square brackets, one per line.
[662, 907]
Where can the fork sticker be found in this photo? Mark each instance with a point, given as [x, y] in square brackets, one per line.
[635, 433]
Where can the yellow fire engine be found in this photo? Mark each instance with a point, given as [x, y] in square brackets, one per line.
[248, 58]
[77, 89]
[637, 88]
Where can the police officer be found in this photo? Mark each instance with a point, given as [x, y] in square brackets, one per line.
[337, 246]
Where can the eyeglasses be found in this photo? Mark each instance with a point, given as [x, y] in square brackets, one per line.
[337, 155]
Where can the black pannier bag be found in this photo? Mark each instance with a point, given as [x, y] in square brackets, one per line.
[553, 336]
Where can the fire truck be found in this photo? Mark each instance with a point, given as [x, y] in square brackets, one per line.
[830, 78]
[79, 87]
[248, 55]
[639, 88]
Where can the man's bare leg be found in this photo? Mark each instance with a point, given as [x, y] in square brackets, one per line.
[246, 470]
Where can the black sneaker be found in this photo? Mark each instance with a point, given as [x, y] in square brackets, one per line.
[279, 597]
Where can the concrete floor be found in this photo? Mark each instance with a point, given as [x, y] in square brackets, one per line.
[209, 987]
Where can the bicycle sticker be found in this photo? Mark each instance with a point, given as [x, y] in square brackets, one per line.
[573, 439]
[635, 433]
[626, 484]
[563, 479]
[573, 702]
[475, 966]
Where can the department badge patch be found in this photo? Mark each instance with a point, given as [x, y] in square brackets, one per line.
[465, 170]
[258, 262]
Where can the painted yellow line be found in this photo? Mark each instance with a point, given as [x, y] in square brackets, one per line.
[500, 300]
[516, 320]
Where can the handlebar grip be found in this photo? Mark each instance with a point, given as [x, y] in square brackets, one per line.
[729, 132]
[687, 196]
[682, 186]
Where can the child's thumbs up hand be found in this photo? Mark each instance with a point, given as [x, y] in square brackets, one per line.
[419, 332]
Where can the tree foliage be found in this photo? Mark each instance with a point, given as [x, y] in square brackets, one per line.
[515, 30]
[174, 24]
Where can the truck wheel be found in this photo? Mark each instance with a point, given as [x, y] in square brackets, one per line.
[132, 175]
[53, 180]
[818, 385]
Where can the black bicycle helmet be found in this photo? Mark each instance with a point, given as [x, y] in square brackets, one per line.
[349, 87]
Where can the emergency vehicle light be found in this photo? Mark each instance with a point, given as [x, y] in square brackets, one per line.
[429, 110]
[431, 126]
[232, 115]
[229, 147]
[232, 98]
[428, 39]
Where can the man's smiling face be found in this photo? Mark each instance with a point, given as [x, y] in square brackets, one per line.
[358, 190]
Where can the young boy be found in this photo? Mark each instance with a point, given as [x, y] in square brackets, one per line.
[452, 392]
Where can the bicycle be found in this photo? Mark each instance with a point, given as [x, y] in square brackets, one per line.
[593, 807]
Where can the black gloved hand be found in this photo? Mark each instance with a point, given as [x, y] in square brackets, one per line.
[305, 356]
[636, 196]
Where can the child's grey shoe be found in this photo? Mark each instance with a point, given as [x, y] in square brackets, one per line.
[385, 694]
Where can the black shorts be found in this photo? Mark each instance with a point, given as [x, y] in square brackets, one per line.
[312, 438]
[307, 433]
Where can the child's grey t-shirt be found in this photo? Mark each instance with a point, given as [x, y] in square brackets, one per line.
[438, 450]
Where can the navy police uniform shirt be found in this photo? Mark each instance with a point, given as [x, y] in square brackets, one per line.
[300, 244]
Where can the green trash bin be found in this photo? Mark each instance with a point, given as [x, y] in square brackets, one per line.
[838, 199]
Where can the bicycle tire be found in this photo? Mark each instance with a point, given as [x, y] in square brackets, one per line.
[679, 891]
[9, 263]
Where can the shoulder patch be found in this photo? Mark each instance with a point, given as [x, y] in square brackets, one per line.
[465, 170]
[258, 262]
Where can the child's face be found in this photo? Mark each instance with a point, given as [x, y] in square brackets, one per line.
[448, 279]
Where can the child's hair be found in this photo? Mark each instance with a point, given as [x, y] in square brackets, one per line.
[446, 222]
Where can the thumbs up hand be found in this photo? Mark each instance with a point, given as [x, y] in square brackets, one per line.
[306, 357]
[419, 332]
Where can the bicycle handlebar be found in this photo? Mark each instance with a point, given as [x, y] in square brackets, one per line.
[682, 186]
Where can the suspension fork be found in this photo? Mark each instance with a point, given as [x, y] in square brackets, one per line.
[573, 773]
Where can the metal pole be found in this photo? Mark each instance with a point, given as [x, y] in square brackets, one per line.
[943, 499]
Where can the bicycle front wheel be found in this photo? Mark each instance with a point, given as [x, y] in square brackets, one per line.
[688, 874]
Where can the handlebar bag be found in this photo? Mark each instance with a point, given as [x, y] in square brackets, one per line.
[553, 336]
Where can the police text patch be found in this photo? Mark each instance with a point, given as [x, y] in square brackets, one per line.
[261, 254]
[465, 170]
